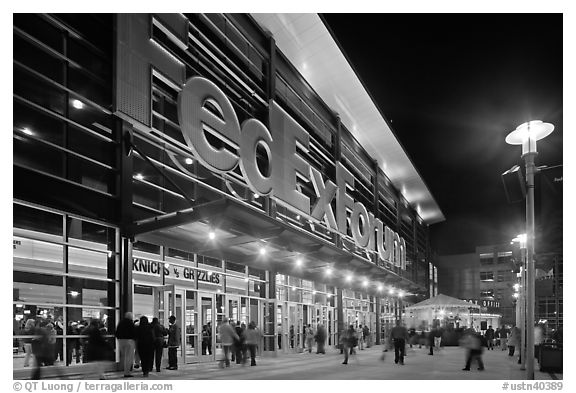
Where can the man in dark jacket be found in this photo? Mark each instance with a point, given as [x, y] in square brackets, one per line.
[126, 334]
[398, 335]
[173, 343]
[489, 335]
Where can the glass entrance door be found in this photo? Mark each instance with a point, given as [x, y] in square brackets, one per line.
[206, 326]
[191, 331]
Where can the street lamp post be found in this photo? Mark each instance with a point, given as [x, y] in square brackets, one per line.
[527, 134]
[522, 301]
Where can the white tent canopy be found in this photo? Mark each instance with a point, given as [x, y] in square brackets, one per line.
[443, 301]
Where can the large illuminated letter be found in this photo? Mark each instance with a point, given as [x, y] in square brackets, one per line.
[344, 202]
[202, 108]
[287, 133]
[325, 193]
[383, 247]
[254, 133]
[360, 225]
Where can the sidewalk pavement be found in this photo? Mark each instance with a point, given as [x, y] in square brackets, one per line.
[445, 364]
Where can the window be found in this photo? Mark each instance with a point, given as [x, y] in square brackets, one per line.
[486, 259]
[503, 275]
[487, 293]
[486, 276]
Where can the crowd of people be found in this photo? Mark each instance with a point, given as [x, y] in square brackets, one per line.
[142, 344]
[42, 348]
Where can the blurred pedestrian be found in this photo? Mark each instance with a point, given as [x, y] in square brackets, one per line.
[238, 343]
[504, 333]
[366, 336]
[174, 339]
[291, 332]
[252, 338]
[472, 342]
[514, 340]
[320, 339]
[347, 342]
[360, 337]
[399, 334]
[98, 350]
[145, 344]
[39, 348]
[309, 334]
[227, 337]
[126, 336]
[29, 329]
[437, 337]
[160, 332]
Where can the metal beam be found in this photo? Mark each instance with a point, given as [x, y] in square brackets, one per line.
[200, 211]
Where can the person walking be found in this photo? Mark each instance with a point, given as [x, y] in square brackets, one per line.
[126, 334]
[29, 329]
[239, 343]
[291, 333]
[514, 340]
[252, 338]
[360, 337]
[227, 337]
[320, 339]
[346, 342]
[473, 344]
[399, 334]
[430, 340]
[437, 337]
[145, 341]
[309, 337]
[174, 338]
[98, 350]
[504, 333]
[160, 332]
[489, 336]
[366, 336]
[497, 337]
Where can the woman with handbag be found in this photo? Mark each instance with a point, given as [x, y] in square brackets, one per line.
[160, 332]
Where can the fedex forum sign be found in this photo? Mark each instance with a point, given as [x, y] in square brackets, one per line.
[204, 109]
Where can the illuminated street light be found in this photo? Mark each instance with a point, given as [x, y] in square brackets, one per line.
[527, 134]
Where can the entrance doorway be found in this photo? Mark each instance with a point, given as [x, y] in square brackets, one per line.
[195, 314]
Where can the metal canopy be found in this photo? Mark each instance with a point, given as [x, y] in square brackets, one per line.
[307, 43]
[240, 233]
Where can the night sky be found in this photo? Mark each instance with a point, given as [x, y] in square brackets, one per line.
[452, 86]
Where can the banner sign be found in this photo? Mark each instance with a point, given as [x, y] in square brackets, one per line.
[154, 268]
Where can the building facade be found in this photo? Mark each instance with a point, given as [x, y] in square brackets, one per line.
[181, 165]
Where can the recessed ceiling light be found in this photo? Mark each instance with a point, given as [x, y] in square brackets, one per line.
[77, 104]
[188, 161]
[365, 283]
[262, 251]
[391, 291]
[27, 131]
[299, 262]
[328, 271]
[349, 278]
[139, 176]
[211, 235]
[380, 287]
[256, 196]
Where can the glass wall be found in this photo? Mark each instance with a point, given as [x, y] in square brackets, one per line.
[64, 278]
